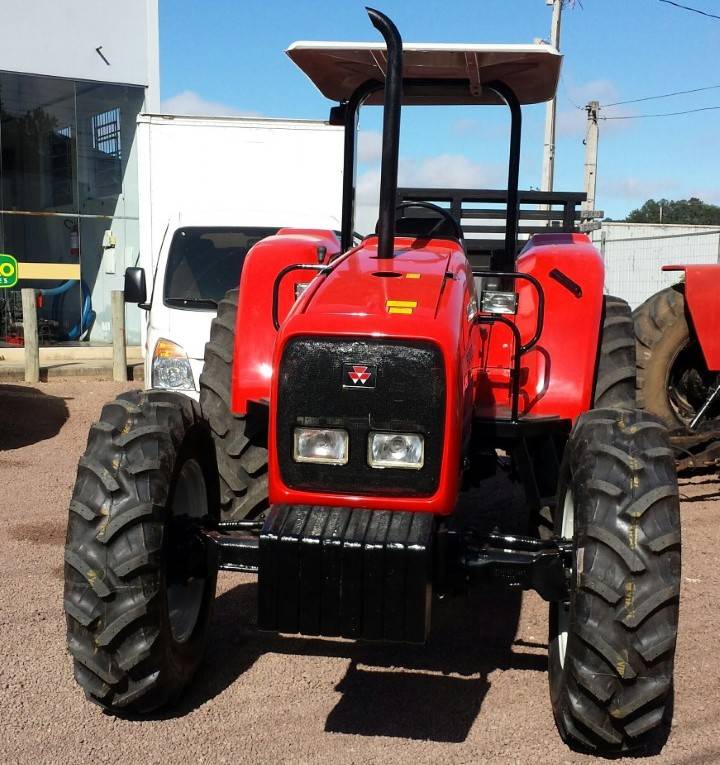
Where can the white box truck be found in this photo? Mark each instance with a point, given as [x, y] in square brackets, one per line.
[210, 187]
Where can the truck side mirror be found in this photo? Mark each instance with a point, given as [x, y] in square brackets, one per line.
[135, 289]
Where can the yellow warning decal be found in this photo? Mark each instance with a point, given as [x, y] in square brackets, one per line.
[400, 310]
[412, 276]
[401, 303]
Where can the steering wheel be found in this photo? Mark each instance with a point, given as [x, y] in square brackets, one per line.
[441, 211]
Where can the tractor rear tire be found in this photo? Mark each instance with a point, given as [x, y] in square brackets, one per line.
[240, 441]
[612, 644]
[139, 587]
[614, 388]
[615, 377]
[672, 378]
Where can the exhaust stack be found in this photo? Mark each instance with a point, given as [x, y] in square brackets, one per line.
[391, 132]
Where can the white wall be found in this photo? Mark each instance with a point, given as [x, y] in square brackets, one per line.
[59, 38]
[634, 254]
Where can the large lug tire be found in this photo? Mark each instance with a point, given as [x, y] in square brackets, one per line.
[240, 441]
[612, 644]
[139, 587]
[615, 376]
[672, 378]
[614, 387]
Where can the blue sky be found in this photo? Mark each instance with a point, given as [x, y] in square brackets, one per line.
[226, 57]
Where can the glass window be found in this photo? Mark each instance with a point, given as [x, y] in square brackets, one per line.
[49, 248]
[204, 263]
[107, 174]
[38, 144]
[69, 192]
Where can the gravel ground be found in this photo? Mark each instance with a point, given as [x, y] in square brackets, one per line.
[477, 692]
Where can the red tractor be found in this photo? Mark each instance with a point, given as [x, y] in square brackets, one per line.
[351, 392]
[678, 363]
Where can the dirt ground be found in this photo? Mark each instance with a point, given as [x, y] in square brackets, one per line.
[477, 692]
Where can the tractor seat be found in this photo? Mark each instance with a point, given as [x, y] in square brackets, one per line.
[421, 226]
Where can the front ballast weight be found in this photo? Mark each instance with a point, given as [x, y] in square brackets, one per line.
[370, 574]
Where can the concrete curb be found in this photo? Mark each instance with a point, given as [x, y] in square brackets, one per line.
[95, 369]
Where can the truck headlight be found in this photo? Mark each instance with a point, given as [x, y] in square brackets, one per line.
[397, 450]
[328, 446]
[171, 367]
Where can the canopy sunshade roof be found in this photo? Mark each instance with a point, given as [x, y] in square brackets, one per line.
[433, 73]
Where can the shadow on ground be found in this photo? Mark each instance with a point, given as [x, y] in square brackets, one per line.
[27, 415]
[432, 691]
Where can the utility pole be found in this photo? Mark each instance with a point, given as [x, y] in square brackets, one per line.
[591, 153]
[548, 170]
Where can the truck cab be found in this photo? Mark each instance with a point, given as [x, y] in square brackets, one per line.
[201, 257]
[210, 188]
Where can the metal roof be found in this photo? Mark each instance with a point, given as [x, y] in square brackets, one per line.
[444, 73]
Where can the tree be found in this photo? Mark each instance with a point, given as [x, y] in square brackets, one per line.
[691, 211]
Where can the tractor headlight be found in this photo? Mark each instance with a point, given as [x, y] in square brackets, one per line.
[171, 367]
[398, 450]
[328, 446]
[299, 288]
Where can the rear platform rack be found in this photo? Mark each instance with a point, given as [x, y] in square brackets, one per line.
[482, 214]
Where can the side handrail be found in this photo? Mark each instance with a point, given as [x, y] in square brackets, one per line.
[541, 301]
[322, 271]
[519, 349]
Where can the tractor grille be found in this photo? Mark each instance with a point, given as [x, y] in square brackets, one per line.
[315, 390]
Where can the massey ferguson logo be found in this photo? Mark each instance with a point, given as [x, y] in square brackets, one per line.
[359, 376]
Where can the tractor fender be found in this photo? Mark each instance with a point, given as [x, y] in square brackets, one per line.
[560, 370]
[255, 332]
[702, 282]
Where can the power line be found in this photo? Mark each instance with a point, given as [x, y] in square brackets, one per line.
[663, 95]
[665, 114]
[567, 94]
[688, 8]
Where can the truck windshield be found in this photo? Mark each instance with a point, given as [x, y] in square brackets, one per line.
[204, 263]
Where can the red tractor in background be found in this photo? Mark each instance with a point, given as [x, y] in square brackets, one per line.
[351, 393]
[678, 363]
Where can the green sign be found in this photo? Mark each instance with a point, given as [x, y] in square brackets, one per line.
[8, 271]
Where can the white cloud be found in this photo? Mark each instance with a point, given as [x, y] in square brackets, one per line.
[641, 188]
[443, 171]
[369, 147]
[188, 102]
[465, 125]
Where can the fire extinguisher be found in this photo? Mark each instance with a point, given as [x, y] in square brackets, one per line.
[72, 226]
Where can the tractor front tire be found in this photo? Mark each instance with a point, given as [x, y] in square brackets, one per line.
[612, 644]
[240, 441]
[139, 586]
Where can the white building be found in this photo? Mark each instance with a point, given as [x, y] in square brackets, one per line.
[74, 75]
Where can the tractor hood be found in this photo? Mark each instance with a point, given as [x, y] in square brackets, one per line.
[408, 285]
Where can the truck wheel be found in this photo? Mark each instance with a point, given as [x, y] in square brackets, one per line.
[612, 644]
[673, 380]
[138, 585]
[240, 442]
[615, 377]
